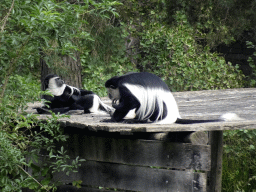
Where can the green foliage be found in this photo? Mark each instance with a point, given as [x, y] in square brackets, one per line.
[239, 163]
[106, 58]
[30, 30]
[22, 135]
[18, 93]
[47, 29]
[11, 158]
[251, 79]
[44, 156]
[222, 21]
[174, 54]
[97, 71]
[77, 183]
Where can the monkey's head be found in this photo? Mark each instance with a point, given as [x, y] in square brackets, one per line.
[54, 84]
[113, 89]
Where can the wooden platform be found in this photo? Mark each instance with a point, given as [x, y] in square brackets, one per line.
[151, 157]
[192, 105]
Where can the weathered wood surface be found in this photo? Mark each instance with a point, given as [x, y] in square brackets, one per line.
[70, 188]
[136, 178]
[140, 152]
[215, 176]
[125, 162]
[193, 105]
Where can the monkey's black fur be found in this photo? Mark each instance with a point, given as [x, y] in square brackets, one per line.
[68, 98]
[150, 99]
[144, 92]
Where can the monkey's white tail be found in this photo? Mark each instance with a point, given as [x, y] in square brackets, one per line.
[102, 106]
[230, 117]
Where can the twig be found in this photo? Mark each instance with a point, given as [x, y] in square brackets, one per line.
[32, 177]
[6, 17]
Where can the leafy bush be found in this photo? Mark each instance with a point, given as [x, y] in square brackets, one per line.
[174, 54]
[19, 92]
[30, 30]
[12, 177]
[170, 52]
[251, 79]
[25, 142]
[106, 59]
[239, 163]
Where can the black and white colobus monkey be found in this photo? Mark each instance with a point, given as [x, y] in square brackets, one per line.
[148, 96]
[68, 98]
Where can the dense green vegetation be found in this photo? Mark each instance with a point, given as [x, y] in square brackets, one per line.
[174, 39]
[27, 28]
[239, 162]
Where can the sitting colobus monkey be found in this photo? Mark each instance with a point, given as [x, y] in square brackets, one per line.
[68, 98]
[149, 97]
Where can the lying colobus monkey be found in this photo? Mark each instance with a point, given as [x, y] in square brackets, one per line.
[149, 97]
[68, 98]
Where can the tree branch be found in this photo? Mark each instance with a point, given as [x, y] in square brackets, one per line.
[32, 177]
[6, 17]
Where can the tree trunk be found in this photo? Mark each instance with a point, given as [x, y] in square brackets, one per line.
[73, 67]
[69, 70]
[45, 70]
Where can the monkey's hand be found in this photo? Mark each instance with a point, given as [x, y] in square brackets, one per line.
[115, 103]
[111, 113]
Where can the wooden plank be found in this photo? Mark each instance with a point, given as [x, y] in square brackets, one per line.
[140, 152]
[131, 128]
[197, 138]
[215, 175]
[69, 188]
[135, 178]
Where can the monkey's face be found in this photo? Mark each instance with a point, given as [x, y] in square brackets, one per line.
[113, 90]
[56, 82]
[59, 82]
[56, 86]
[113, 94]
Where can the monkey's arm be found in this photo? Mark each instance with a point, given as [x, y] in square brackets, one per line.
[85, 92]
[126, 103]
